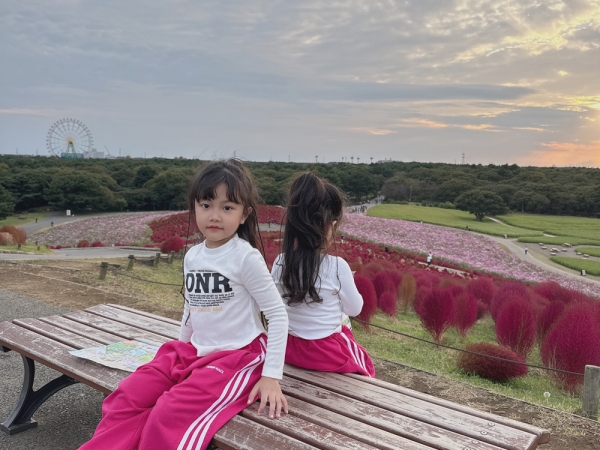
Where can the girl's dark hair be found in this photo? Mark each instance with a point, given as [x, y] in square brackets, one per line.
[240, 189]
[313, 205]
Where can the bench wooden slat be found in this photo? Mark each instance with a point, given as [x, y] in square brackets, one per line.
[81, 329]
[544, 435]
[56, 356]
[117, 328]
[177, 323]
[392, 422]
[57, 334]
[305, 431]
[145, 323]
[360, 431]
[243, 434]
[475, 427]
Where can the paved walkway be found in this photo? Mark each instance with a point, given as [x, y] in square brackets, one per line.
[69, 417]
[540, 260]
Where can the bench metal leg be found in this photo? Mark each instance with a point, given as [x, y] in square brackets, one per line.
[29, 400]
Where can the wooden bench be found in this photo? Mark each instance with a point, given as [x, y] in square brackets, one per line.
[327, 411]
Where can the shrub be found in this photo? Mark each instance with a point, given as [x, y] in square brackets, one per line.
[492, 368]
[553, 291]
[436, 312]
[172, 244]
[507, 291]
[6, 238]
[422, 293]
[571, 344]
[22, 235]
[407, 291]
[483, 289]
[388, 303]
[97, 244]
[83, 244]
[19, 234]
[372, 268]
[366, 289]
[465, 312]
[395, 277]
[548, 318]
[515, 326]
[383, 283]
[482, 309]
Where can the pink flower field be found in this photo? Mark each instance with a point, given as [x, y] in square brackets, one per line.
[110, 229]
[462, 247]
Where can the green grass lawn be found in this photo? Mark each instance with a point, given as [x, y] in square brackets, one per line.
[450, 218]
[559, 240]
[22, 219]
[29, 248]
[592, 251]
[591, 267]
[441, 361]
[580, 227]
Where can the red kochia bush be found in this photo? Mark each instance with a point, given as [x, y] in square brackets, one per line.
[483, 289]
[172, 244]
[83, 244]
[388, 303]
[366, 289]
[553, 291]
[372, 268]
[383, 283]
[465, 312]
[395, 277]
[436, 311]
[515, 326]
[571, 344]
[508, 291]
[97, 244]
[548, 318]
[492, 368]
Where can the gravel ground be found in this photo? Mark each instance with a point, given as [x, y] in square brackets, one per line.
[69, 417]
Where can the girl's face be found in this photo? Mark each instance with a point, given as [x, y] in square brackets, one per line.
[218, 219]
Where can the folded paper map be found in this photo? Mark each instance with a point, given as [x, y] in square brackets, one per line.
[125, 355]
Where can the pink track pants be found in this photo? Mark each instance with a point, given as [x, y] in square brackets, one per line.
[178, 400]
[336, 353]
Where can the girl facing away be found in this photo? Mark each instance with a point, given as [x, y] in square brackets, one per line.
[318, 289]
[223, 360]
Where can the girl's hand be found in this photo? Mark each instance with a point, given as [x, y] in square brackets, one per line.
[268, 390]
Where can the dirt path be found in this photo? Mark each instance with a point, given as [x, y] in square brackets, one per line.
[74, 284]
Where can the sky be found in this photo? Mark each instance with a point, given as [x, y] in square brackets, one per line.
[493, 82]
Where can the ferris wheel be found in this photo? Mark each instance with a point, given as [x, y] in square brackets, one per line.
[69, 138]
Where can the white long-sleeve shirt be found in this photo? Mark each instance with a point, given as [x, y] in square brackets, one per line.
[226, 288]
[335, 285]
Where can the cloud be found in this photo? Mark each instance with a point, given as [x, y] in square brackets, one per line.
[27, 112]
[425, 123]
[564, 154]
[273, 77]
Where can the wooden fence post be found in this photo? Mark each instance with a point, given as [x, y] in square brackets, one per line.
[591, 389]
[103, 270]
[170, 260]
[130, 263]
[157, 260]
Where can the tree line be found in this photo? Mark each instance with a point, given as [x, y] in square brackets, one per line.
[32, 182]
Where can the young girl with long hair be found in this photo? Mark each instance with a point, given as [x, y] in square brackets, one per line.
[318, 289]
[223, 359]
